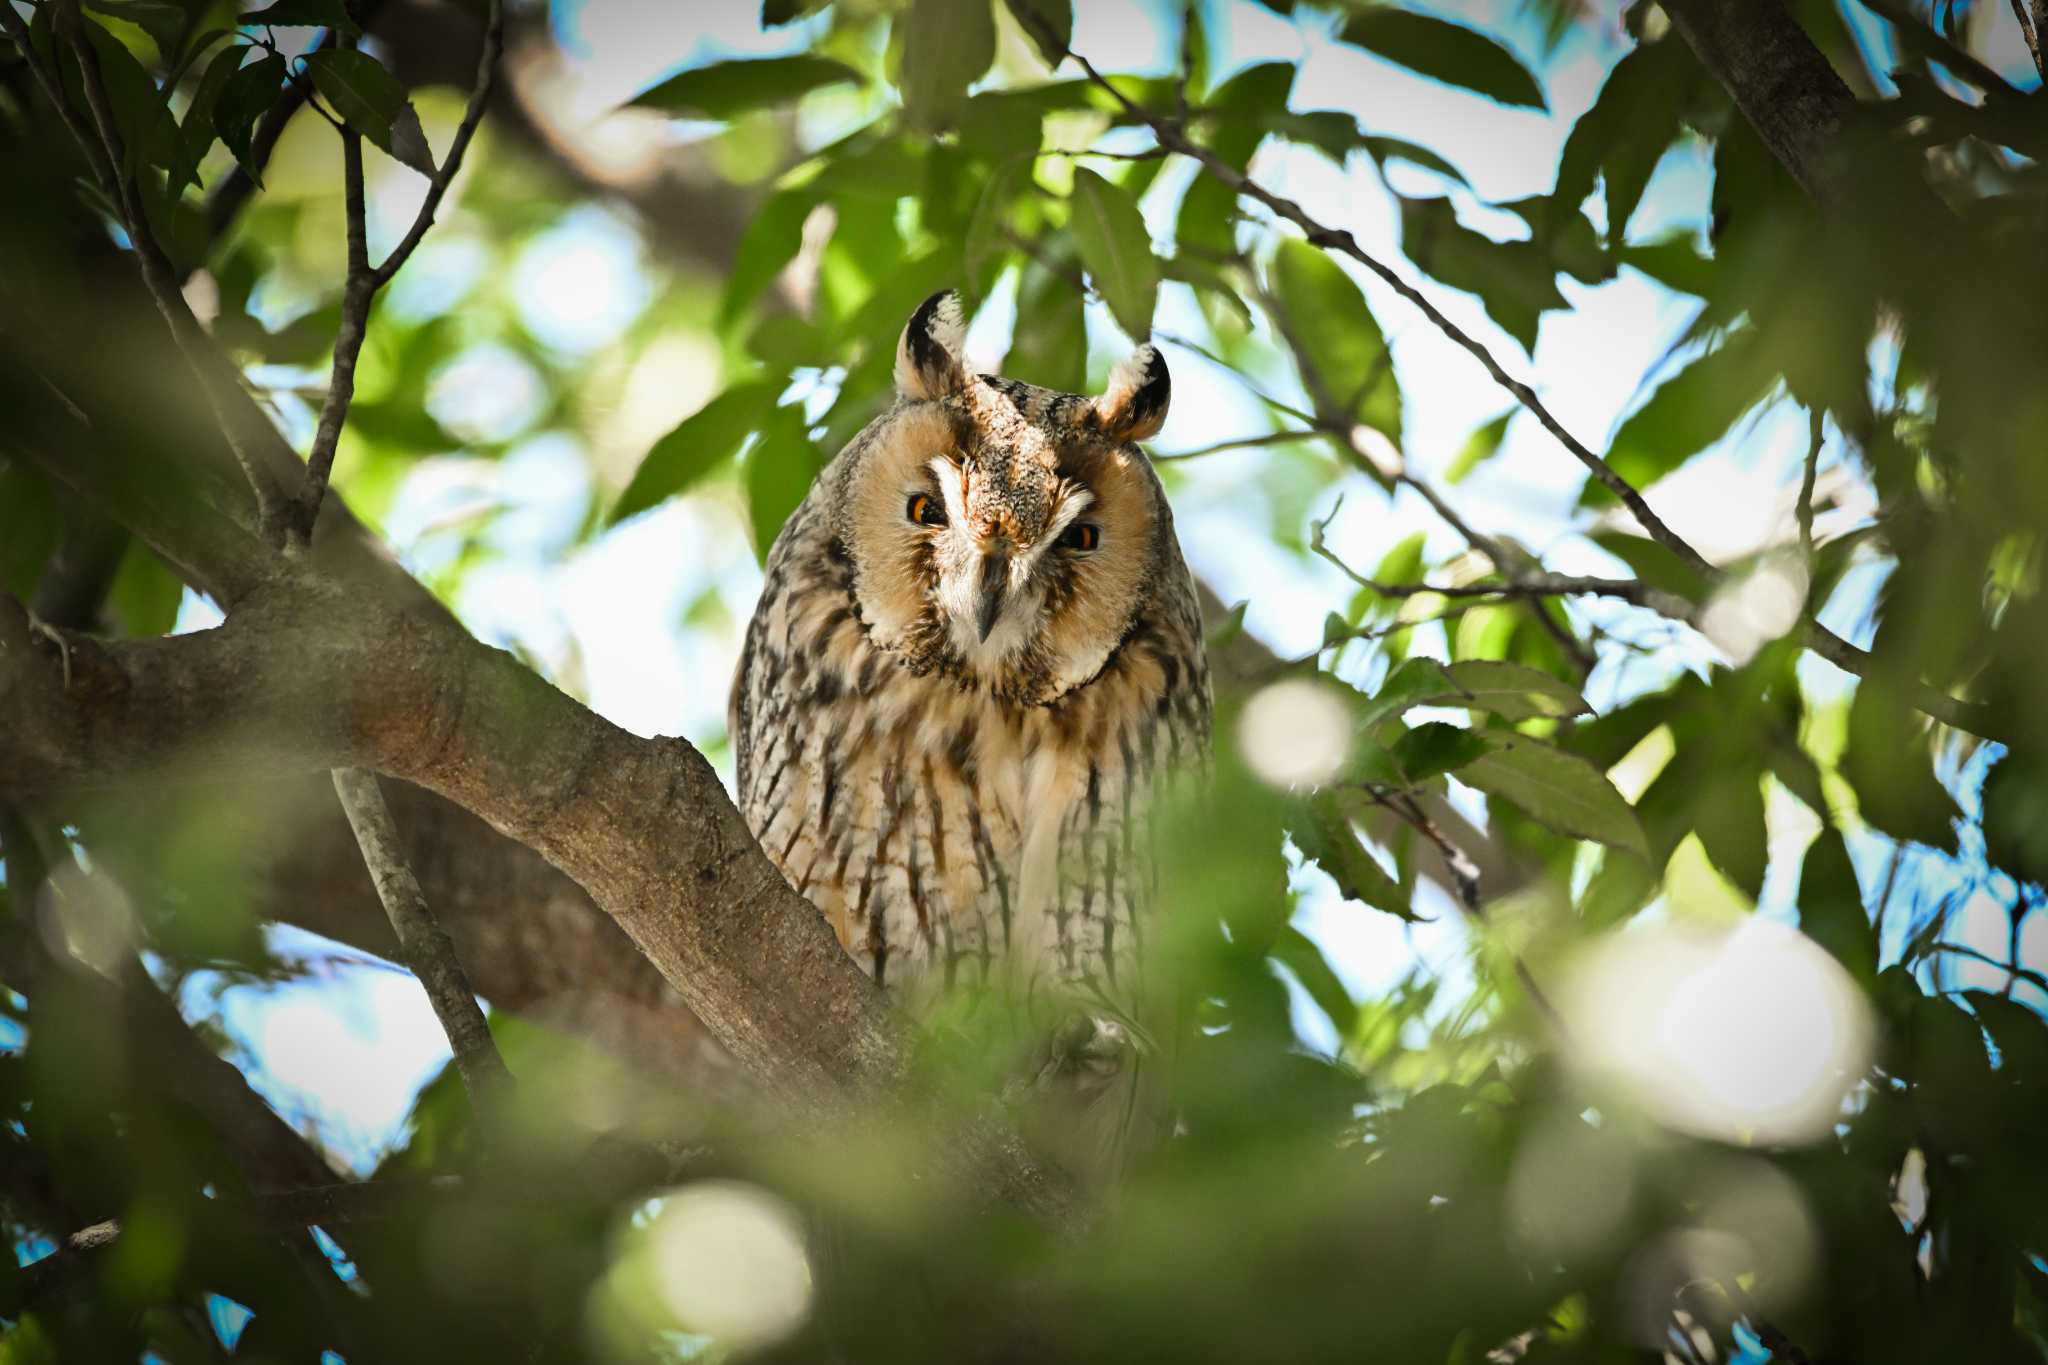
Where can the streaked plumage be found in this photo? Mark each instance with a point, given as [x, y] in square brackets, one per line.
[947, 733]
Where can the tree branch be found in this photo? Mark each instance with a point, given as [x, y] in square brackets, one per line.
[428, 951]
[1813, 119]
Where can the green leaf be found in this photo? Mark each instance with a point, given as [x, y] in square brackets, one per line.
[1728, 815]
[1516, 281]
[1688, 412]
[138, 107]
[770, 243]
[1385, 149]
[1889, 759]
[699, 443]
[947, 45]
[2015, 796]
[163, 22]
[145, 594]
[1296, 952]
[371, 102]
[1831, 909]
[1243, 107]
[779, 470]
[1655, 563]
[1110, 235]
[1510, 691]
[1482, 445]
[1435, 748]
[1558, 790]
[1048, 23]
[1623, 136]
[1324, 835]
[306, 13]
[1673, 261]
[197, 133]
[1444, 51]
[775, 13]
[724, 90]
[1335, 335]
[1049, 345]
[248, 92]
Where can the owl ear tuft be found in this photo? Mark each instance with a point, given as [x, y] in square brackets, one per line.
[928, 363]
[1133, 408]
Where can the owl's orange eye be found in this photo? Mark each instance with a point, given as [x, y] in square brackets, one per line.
[926, 510]
[1081, 536]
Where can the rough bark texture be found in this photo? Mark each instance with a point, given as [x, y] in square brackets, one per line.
[1781, 82]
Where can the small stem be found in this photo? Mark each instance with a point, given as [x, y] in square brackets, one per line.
[2029, 32]
[358, 292]
[1818, 419]
[427, 949]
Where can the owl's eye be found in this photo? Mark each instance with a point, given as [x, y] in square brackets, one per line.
[1082, 536]
[926, 510]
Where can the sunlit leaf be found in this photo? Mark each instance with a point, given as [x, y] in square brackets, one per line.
[1050, 345]
[1325, 316]
[1110, 235]
[947, 45]
[1556, 789]
[723, 90]
[1623, 136]
[1293, 950]
[1443, 51]
[1510, 691]
[1482, 445]
[699, 443]
[771, 242]
[370, 101]
[162, 21]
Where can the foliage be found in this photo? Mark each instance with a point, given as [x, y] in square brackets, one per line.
[1439, 1169]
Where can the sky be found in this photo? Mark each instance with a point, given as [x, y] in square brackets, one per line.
[348, 1051]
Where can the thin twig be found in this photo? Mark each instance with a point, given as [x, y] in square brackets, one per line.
[1270, 438]
[427, 949]
[359, 291]
[1970, 716]
[1818, 420]
[486, 66]
[2027, 31]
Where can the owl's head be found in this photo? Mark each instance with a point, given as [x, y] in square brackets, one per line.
[1001, 533]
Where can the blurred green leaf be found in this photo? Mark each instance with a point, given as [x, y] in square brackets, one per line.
[1655, 563]
[162, 21]
[197, 132]
[370, 101]
[1324, 835]
[1728, 815]
[1443, 51]
[1110, 235]
[1048, 23]
[1236, 119]
[1673, 261]
[724, 90]
[1482, 445]
[1385, 149]
[699, 443]
[1050, 343]
[1293, 950]
[1889, 760]
[300, 13]
[779, 470]
[1687, 413]
[1325, 317]
[2015, 797]
[771, 242]
[947, 45]
[145, 594]
[1831, 909]
[1558, 790]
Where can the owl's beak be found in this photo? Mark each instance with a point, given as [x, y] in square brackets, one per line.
[988, 595]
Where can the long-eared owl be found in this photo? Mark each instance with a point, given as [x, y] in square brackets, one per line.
[976, 657]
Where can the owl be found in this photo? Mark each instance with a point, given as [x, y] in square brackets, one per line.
[976, 659]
